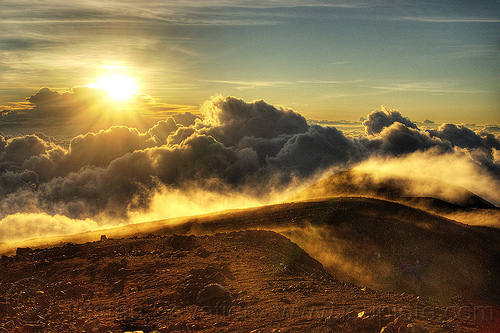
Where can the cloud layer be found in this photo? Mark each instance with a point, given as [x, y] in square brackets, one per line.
[251, 150]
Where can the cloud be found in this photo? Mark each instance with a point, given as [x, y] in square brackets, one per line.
[21, 226]
[49, 103]
[252, 152]
[162, 130]
[185, 12]
[264, 147]
[177, 124]
[452, 20]
[2, 142]
[103, 147]
[92, 109]
[45, 96]
[11, 181]
[492, 129]
[231, 119]
[392, 133]
[50, 160]
[317, 149]
[399, 139]
[458, 168]
[378, 120]
[128, 181]
[19, 149]
[461, 136]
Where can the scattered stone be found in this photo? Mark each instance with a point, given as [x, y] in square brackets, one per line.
[368, 320]
[214, 298]
[399, 325]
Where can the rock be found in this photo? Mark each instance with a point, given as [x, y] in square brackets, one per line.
[199, 278]
[415, 328]
[181, 242]
[22, 251]
[214, 298]
[104, 238]
[388, 329]
[356, 321]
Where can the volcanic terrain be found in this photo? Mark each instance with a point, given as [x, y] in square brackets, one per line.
[324, 263]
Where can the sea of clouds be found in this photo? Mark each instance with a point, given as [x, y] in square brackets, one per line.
[233, 154]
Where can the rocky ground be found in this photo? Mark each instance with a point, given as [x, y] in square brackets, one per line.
[241, 281]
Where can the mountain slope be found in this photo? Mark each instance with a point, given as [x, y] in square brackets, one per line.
[385, 186]
[381, 244]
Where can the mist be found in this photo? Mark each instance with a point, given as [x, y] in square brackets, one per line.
[429, 169]
[22, 226]
[234, 154]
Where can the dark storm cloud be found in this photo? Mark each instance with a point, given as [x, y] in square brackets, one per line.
[235, 147]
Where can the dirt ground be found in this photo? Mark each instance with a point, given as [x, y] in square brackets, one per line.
[154, 283]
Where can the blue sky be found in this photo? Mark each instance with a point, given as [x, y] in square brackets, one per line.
[434, 60]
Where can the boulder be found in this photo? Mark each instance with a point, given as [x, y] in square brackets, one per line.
[214, 298]
[182, 242]
[22, 251]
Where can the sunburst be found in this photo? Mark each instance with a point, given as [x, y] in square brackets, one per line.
[118, 87]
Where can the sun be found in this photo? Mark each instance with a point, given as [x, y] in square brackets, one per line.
[118, 87]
